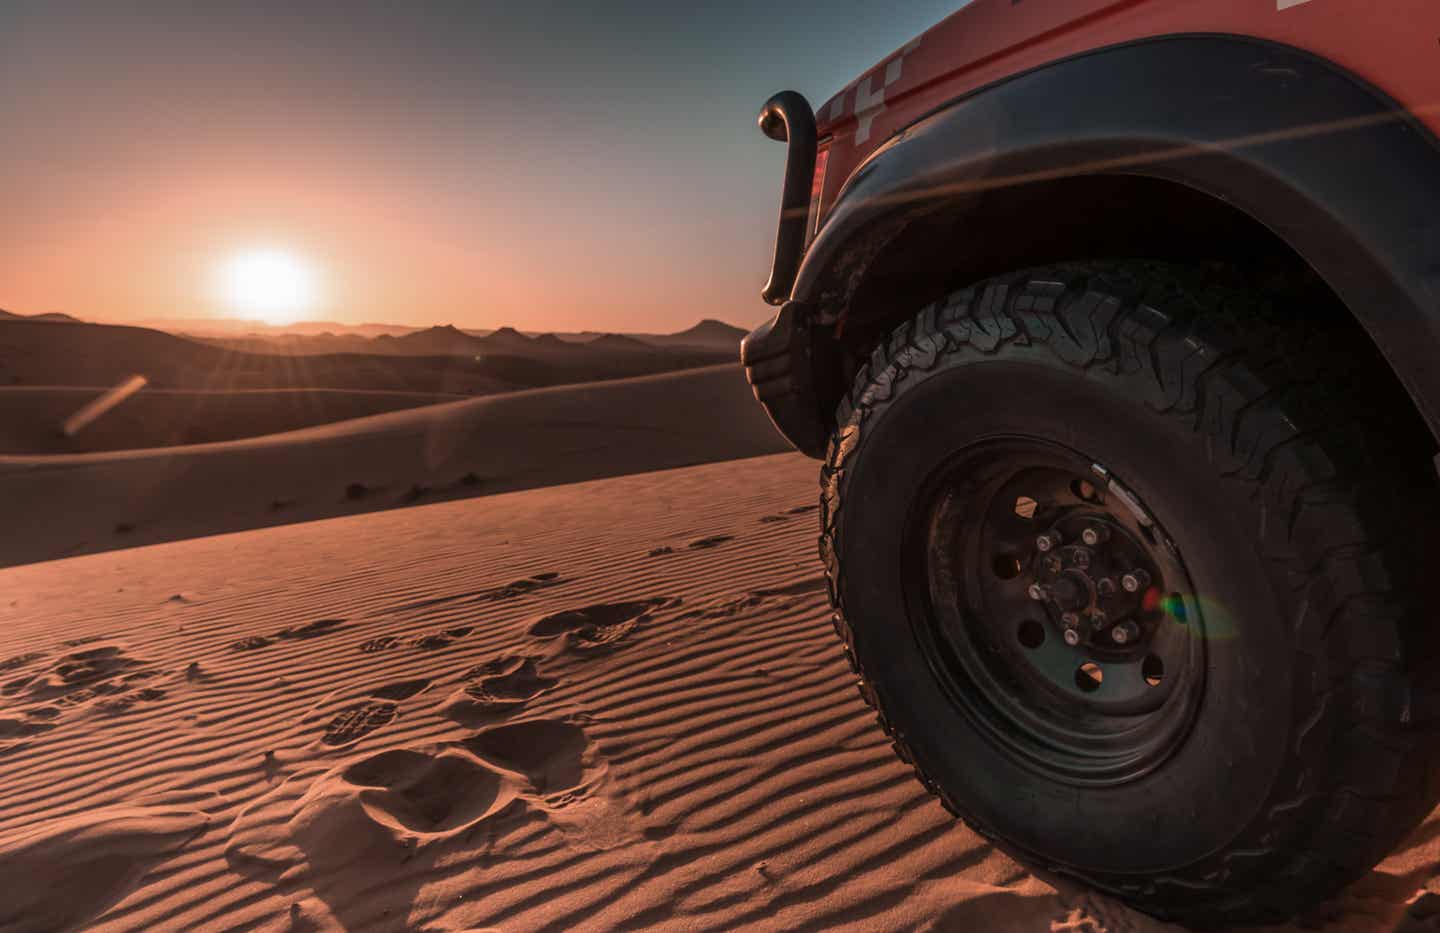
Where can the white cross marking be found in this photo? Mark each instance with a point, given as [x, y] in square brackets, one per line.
[870, 104]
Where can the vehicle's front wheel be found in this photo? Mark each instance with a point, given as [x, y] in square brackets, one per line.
[1126, 571]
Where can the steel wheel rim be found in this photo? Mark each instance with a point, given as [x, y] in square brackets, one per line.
[1104, 710]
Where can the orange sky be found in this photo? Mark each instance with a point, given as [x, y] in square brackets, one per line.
[549, 167]
[382, 254]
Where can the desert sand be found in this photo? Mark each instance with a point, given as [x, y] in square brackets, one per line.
[82, 503]
[605, 705]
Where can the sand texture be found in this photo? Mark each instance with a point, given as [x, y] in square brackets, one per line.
[616, 704]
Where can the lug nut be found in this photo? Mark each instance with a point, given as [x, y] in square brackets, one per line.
[1099, 618]
[1048, 541]
[1095, 534]
[1081, 556]
[1038, 592]
[1135, 581]
[1072, 637]
[1071, 620]
[1053, 564]
[1106, 586]
[1125, 633]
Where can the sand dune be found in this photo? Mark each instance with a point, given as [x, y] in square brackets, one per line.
[616, 704]
[48, 354]
[74, 504]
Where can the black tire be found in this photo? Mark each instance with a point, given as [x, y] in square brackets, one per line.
[1290, 769]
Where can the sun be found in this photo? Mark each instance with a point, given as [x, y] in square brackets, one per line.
[275, 285]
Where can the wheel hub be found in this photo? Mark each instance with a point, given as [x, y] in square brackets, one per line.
[1080, 576]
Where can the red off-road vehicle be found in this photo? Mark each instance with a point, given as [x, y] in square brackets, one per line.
[1116, 324]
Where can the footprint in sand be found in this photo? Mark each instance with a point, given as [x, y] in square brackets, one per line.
[431, 641]
[311, 629]
[700, 544]
[22, 729]
[20, 660]
[361, 714]
[79, 677]
[798, 588]
[429, 794]
[83, 667]
[598, 626]
[15, 733]
[380, 643]
[292, 633]
[550, 753]
[539, 581]
[785, 516]
[123, 702]
[355, 722]
[401, 689]
[497, 687]
[373, 812]
[512, 680]
[443, 638]
[511, 590]
[388, 806]
[738, 604]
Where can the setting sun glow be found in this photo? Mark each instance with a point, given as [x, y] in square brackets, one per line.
[274, 285]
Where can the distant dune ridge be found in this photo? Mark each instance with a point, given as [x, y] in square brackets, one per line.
[708, 336]
[708, 333]
[209, 390]
[54, 317]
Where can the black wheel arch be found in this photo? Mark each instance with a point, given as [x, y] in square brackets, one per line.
[1273, 151]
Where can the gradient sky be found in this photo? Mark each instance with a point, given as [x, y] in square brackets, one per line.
[549, 165]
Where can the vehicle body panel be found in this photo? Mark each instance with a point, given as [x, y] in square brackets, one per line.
[1317, 120]
[1394, 46]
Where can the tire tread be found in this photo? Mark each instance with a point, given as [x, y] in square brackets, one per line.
[1260, 391]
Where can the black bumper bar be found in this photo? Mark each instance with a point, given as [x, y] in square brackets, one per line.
[779, 358]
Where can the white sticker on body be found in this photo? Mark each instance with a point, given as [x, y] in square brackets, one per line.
[869, 103]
